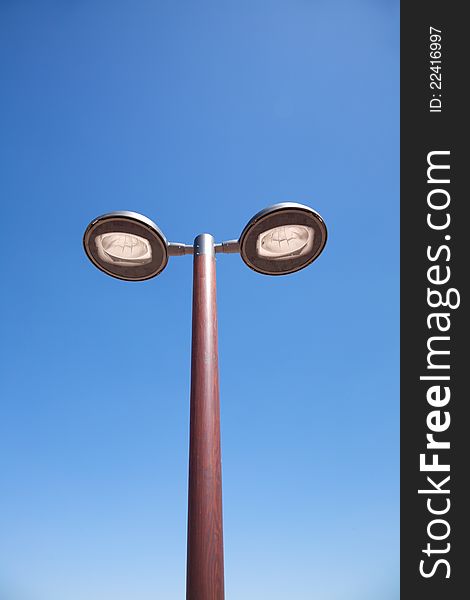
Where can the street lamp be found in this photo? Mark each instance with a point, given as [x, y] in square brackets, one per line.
[280, 239]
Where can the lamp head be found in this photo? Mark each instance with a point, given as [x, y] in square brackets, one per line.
[126, 245]
[282, 239]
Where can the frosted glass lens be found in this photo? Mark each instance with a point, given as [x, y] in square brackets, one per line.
[285, 242]
[124, 249]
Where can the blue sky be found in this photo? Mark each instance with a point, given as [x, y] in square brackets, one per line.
[198, 114]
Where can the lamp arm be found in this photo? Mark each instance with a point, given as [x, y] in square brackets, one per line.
[228, 247]
[179, 249]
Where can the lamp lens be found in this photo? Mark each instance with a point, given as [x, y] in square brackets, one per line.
[124, 249]
[286, 241]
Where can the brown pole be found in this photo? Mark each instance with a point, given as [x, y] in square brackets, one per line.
[205, 562]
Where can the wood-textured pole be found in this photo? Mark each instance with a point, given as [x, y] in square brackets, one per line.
[205, 561]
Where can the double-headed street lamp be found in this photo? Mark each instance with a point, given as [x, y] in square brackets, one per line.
[280, 239]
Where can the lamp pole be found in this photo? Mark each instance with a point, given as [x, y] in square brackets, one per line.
[281, 239]
[205, 554]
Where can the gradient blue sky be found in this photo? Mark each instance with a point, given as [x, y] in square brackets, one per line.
[198, 114]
